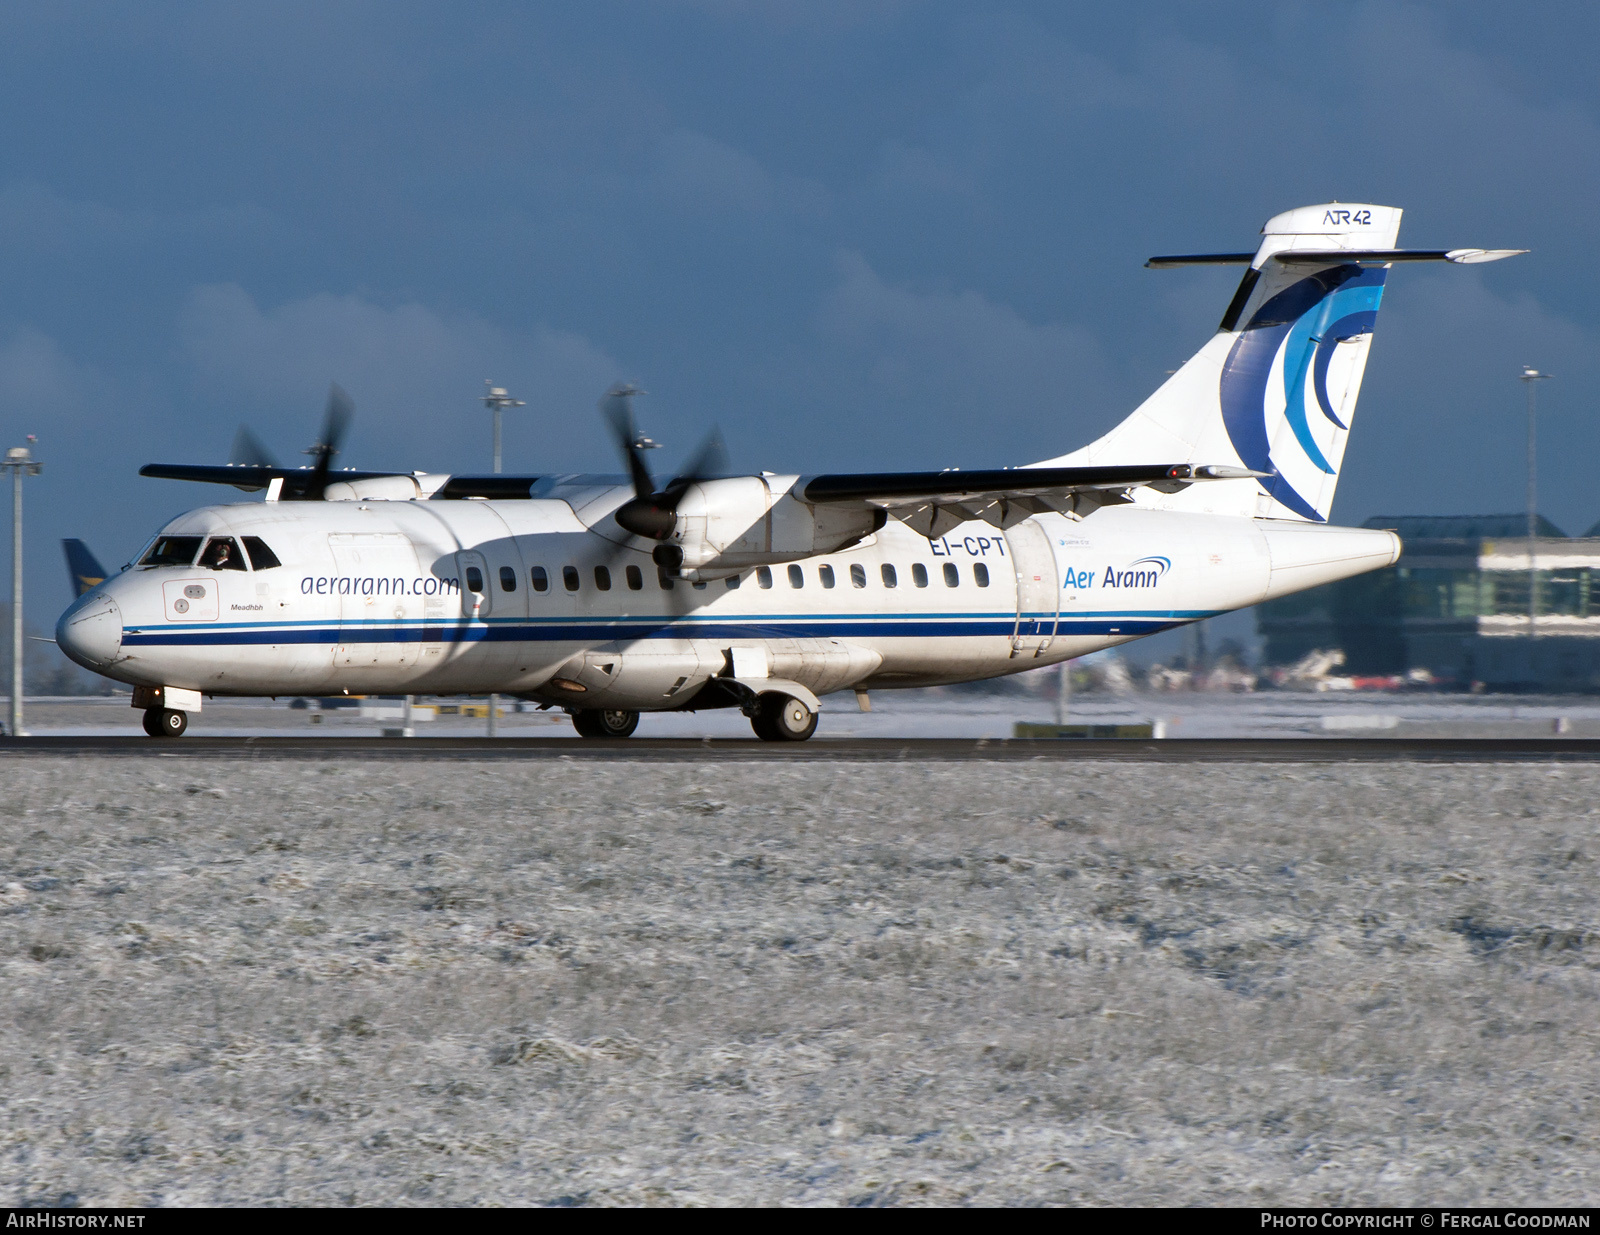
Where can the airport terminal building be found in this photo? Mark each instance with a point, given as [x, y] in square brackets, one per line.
[1457, 604]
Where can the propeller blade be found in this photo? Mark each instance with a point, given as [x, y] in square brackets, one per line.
[656, 515]
[709, 461]
[335, 424]
[248, 451]
[617, 407]
[336, 419]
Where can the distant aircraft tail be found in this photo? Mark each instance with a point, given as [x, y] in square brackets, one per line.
[82, 568]
[1275, 389]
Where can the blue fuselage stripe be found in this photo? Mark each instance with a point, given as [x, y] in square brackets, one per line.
[549, 630]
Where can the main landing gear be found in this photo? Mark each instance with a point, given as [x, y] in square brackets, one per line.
[165, 722]
[777, 718]
[782, 718]
[604, 723]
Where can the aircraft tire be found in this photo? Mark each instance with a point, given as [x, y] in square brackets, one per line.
[783, 719]
[165, 722]
[604, 723]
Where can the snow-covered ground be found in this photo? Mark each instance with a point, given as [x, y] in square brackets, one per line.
[492, 982]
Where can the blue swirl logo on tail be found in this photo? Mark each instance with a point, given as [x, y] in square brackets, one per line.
[1306, 322]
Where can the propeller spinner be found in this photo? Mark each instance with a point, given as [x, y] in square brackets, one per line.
[652, 513]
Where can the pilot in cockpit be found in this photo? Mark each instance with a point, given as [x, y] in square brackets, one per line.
[221, 555]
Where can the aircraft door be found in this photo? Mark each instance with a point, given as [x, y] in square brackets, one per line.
[378, 610]
[1038, 591]
[477, 597]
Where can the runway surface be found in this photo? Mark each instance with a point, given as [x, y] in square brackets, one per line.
[869, 750]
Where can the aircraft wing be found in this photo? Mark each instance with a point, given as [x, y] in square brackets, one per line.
[299, 482]
[934, 502]
[296, 480]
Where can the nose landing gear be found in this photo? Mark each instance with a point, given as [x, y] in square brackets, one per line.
[165, 722]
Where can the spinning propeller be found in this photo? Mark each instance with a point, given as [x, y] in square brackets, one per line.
[653, 513]
[335, 424]
[248, 450]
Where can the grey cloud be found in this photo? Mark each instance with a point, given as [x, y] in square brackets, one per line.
[415, 373]
[698, 172]
[1442, 421]
[955, 358]
[39, 217]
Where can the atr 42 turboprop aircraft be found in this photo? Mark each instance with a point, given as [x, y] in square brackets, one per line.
[609, 596]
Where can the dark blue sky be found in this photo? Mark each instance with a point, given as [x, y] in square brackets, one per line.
[856, 235]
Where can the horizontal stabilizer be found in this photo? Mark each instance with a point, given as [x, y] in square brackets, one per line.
[1374, 257]
[1200, 259]
[1328, 257]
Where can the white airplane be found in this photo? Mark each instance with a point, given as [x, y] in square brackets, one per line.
[610, 596]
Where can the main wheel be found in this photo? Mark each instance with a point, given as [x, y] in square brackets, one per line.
[165, 722]
[604, 723]
[783, 718]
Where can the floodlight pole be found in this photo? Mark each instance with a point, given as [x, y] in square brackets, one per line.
[497, 399]
[19, 461]
[1529, 377]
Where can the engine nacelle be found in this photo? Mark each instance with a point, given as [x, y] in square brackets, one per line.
[381, 488]
[724, 526]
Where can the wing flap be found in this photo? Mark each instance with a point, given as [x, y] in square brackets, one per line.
[933, 503]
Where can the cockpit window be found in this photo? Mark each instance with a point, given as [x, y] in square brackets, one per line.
[222, 554]
[172, 551]
[261, 557]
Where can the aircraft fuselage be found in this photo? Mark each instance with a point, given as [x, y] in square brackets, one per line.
[548, 599]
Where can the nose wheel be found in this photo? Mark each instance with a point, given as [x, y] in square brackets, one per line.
[165, 722]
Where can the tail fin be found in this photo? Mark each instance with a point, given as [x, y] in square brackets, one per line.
[82, 569]
[1275, 390]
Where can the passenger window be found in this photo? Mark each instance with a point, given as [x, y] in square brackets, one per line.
[797, 577]
[569, 578]
[540, 580]
[919, 574]
[889, 577]
[474, 580]
[980, 573]
[733, 582]
[602, 578]
[764, 576]
[222, 554]
[825, 573]
[172, 551]
[261, 557]
[858, 575]
[635, 578]
[952, 576]
[664, 579]
[508, 579]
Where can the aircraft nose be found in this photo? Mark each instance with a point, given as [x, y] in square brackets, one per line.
[91, 632]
